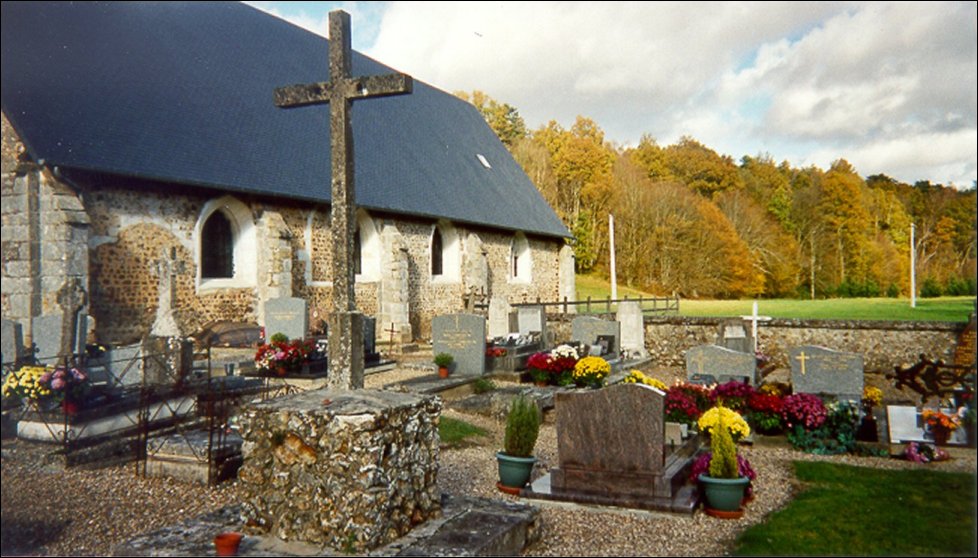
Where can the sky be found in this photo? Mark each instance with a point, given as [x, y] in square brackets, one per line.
[890, 87]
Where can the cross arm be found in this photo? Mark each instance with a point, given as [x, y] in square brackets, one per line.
[351, 88]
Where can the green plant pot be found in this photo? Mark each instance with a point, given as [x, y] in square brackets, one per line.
[514, 471]
[723, 494]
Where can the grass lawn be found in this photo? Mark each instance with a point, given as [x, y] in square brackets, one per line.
[947, 309]
[859, 511]
[453, 431]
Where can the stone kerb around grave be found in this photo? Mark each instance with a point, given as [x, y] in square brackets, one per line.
[345, 469]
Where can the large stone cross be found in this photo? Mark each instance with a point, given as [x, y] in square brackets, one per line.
[345, 323]
[753, 319]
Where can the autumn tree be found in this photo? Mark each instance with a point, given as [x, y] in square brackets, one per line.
[503, 118]
[701, 168]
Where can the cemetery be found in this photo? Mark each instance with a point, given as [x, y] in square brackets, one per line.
[284, 424]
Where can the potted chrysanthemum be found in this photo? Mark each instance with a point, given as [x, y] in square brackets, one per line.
[724, 485]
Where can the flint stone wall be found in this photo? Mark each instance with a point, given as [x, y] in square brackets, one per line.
[345, 469]
[883, 344]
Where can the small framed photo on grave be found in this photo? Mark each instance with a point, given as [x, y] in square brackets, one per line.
[607, 343]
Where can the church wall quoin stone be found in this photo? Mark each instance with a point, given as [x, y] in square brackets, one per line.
[119, 236]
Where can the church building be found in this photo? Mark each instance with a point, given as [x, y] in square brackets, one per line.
[149, 177]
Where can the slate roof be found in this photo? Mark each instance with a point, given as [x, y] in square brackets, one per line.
[182, 93]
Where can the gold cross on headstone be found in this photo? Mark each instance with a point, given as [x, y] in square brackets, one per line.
[802, 357]
[345, 324]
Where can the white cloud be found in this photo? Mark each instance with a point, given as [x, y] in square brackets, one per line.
[801, 81]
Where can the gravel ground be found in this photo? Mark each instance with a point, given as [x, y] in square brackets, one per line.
[47, 511]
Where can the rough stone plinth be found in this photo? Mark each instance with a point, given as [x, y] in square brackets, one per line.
[345, 469]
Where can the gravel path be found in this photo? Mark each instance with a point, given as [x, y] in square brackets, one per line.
[47, 511]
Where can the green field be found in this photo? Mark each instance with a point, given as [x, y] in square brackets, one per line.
[947, 309]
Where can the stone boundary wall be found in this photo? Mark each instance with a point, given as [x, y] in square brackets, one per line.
[351, 470]
[883, 344]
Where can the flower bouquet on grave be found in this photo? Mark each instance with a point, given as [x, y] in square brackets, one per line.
[563, 359]
[940, 425]
[540, 366]
[680, 407]
[591, 371]
[733, 395]
[764, 412]
[637, 377]
[282, 357]
[45, 388]
[924, 453]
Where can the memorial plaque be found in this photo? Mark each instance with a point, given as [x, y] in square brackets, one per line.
[46, 332]
[720, 363]
[286, 315]
[464, 337]
[824, 371]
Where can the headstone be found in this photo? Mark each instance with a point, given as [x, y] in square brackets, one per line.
[964, 353]
[498, 317]
[81, 333]
[674, 433]
[72, 298]
[370, 339]
[12, 342]
[720, 363]
[632, 328]
[587, 329]
[597, 454]
[734, 336]
[464, 337]
[46, 332]
[532, 319]
[824, 371]
[345, 323]
[286, 315]
[903, 424]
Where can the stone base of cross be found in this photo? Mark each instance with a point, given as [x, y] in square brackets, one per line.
[345, 351]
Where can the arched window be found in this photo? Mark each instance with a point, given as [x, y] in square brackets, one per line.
[520, 259]
[217, 248]
[437, 253]
[357, 253]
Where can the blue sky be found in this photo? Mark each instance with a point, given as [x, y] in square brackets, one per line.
[891, 87]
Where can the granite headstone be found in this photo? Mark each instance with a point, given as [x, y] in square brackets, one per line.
[587, 329]
[46, 332]
[498, 317]
[464, 337]
[596, 454]
[12, 342]
[286, 315]
[720, 363]
[734, 336]
[632, 328]
[532, 319]
[824, 371]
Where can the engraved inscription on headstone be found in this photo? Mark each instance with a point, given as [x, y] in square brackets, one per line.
[464, 337]
[819, 370]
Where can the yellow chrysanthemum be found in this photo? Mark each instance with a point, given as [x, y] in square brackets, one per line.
[735, 423]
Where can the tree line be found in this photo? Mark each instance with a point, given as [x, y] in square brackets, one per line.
[691, 221]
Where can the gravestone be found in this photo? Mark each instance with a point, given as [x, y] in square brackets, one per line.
[46, 332]
[12, 342]
[532, 319]
[903, 424]
[498, 317]
[464, 337]
[720, 364]
[824, 371]
[612, 450]
[632, 328]
[587, 329]
[286, 315]
[81, 333]
[964, 353]
[370, 354]
[734, 336]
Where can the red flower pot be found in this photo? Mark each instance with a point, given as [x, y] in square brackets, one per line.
[226, 544]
